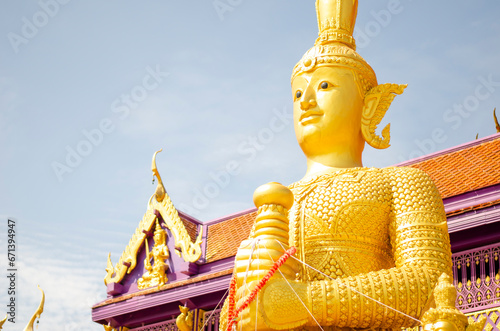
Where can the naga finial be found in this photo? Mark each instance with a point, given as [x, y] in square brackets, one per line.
[496, 120]
[37, 313]
[160, 189]
[2, 322]
[110, 271]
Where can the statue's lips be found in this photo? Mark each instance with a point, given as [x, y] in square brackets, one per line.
[310, 117]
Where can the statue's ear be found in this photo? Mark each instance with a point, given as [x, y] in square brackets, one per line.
[377, 102]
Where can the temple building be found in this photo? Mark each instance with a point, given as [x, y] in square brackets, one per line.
[175, 271]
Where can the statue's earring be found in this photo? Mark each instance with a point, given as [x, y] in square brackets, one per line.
[377, 102]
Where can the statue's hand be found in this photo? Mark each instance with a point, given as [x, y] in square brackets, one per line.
[256, 257]
[147, 265]
[250, 318]
[277, 306]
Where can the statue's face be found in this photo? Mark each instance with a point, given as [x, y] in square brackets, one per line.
[158, 238]
[327, 109]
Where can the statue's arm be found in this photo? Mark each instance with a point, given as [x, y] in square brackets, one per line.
[421, 249]
[166, 253]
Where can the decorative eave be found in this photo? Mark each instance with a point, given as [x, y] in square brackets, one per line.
[204, 290]
[128, 260]
[160, 205]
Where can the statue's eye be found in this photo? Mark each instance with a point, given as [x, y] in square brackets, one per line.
[325, 85]
[298, 94]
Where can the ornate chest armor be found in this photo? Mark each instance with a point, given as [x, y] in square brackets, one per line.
[344, 224]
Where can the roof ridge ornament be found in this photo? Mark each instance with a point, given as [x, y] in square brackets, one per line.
[159, 204]
[160, 189]
[37, 313]
[497, 125]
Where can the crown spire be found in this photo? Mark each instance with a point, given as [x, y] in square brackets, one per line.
[336, 20]
[335, 45]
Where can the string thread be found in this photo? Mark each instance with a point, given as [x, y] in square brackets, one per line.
[354, 290]
[293, 290]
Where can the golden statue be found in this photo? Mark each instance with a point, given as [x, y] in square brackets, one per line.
[155, 274]
[371, 243]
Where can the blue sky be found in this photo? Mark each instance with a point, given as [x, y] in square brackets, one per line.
[89, 90]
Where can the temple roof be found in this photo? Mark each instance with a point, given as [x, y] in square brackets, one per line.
[464, 168]
[467, 176]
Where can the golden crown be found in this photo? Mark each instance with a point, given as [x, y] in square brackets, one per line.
[336, 20]
[335, 45]
[158, 228]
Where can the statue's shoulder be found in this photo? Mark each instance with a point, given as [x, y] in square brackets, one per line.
[393, 176]
[392, 173]
[406, 174]
[412, 183]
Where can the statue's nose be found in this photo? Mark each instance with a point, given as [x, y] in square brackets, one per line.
[306, 104]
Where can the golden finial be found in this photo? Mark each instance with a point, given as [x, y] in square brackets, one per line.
[160, 189]
[2, 322]
[109, 270]
[37, 313]
[496, 120]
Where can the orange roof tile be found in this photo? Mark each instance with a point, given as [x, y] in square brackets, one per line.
[464, 170]
[224, 238]
[191, 228]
